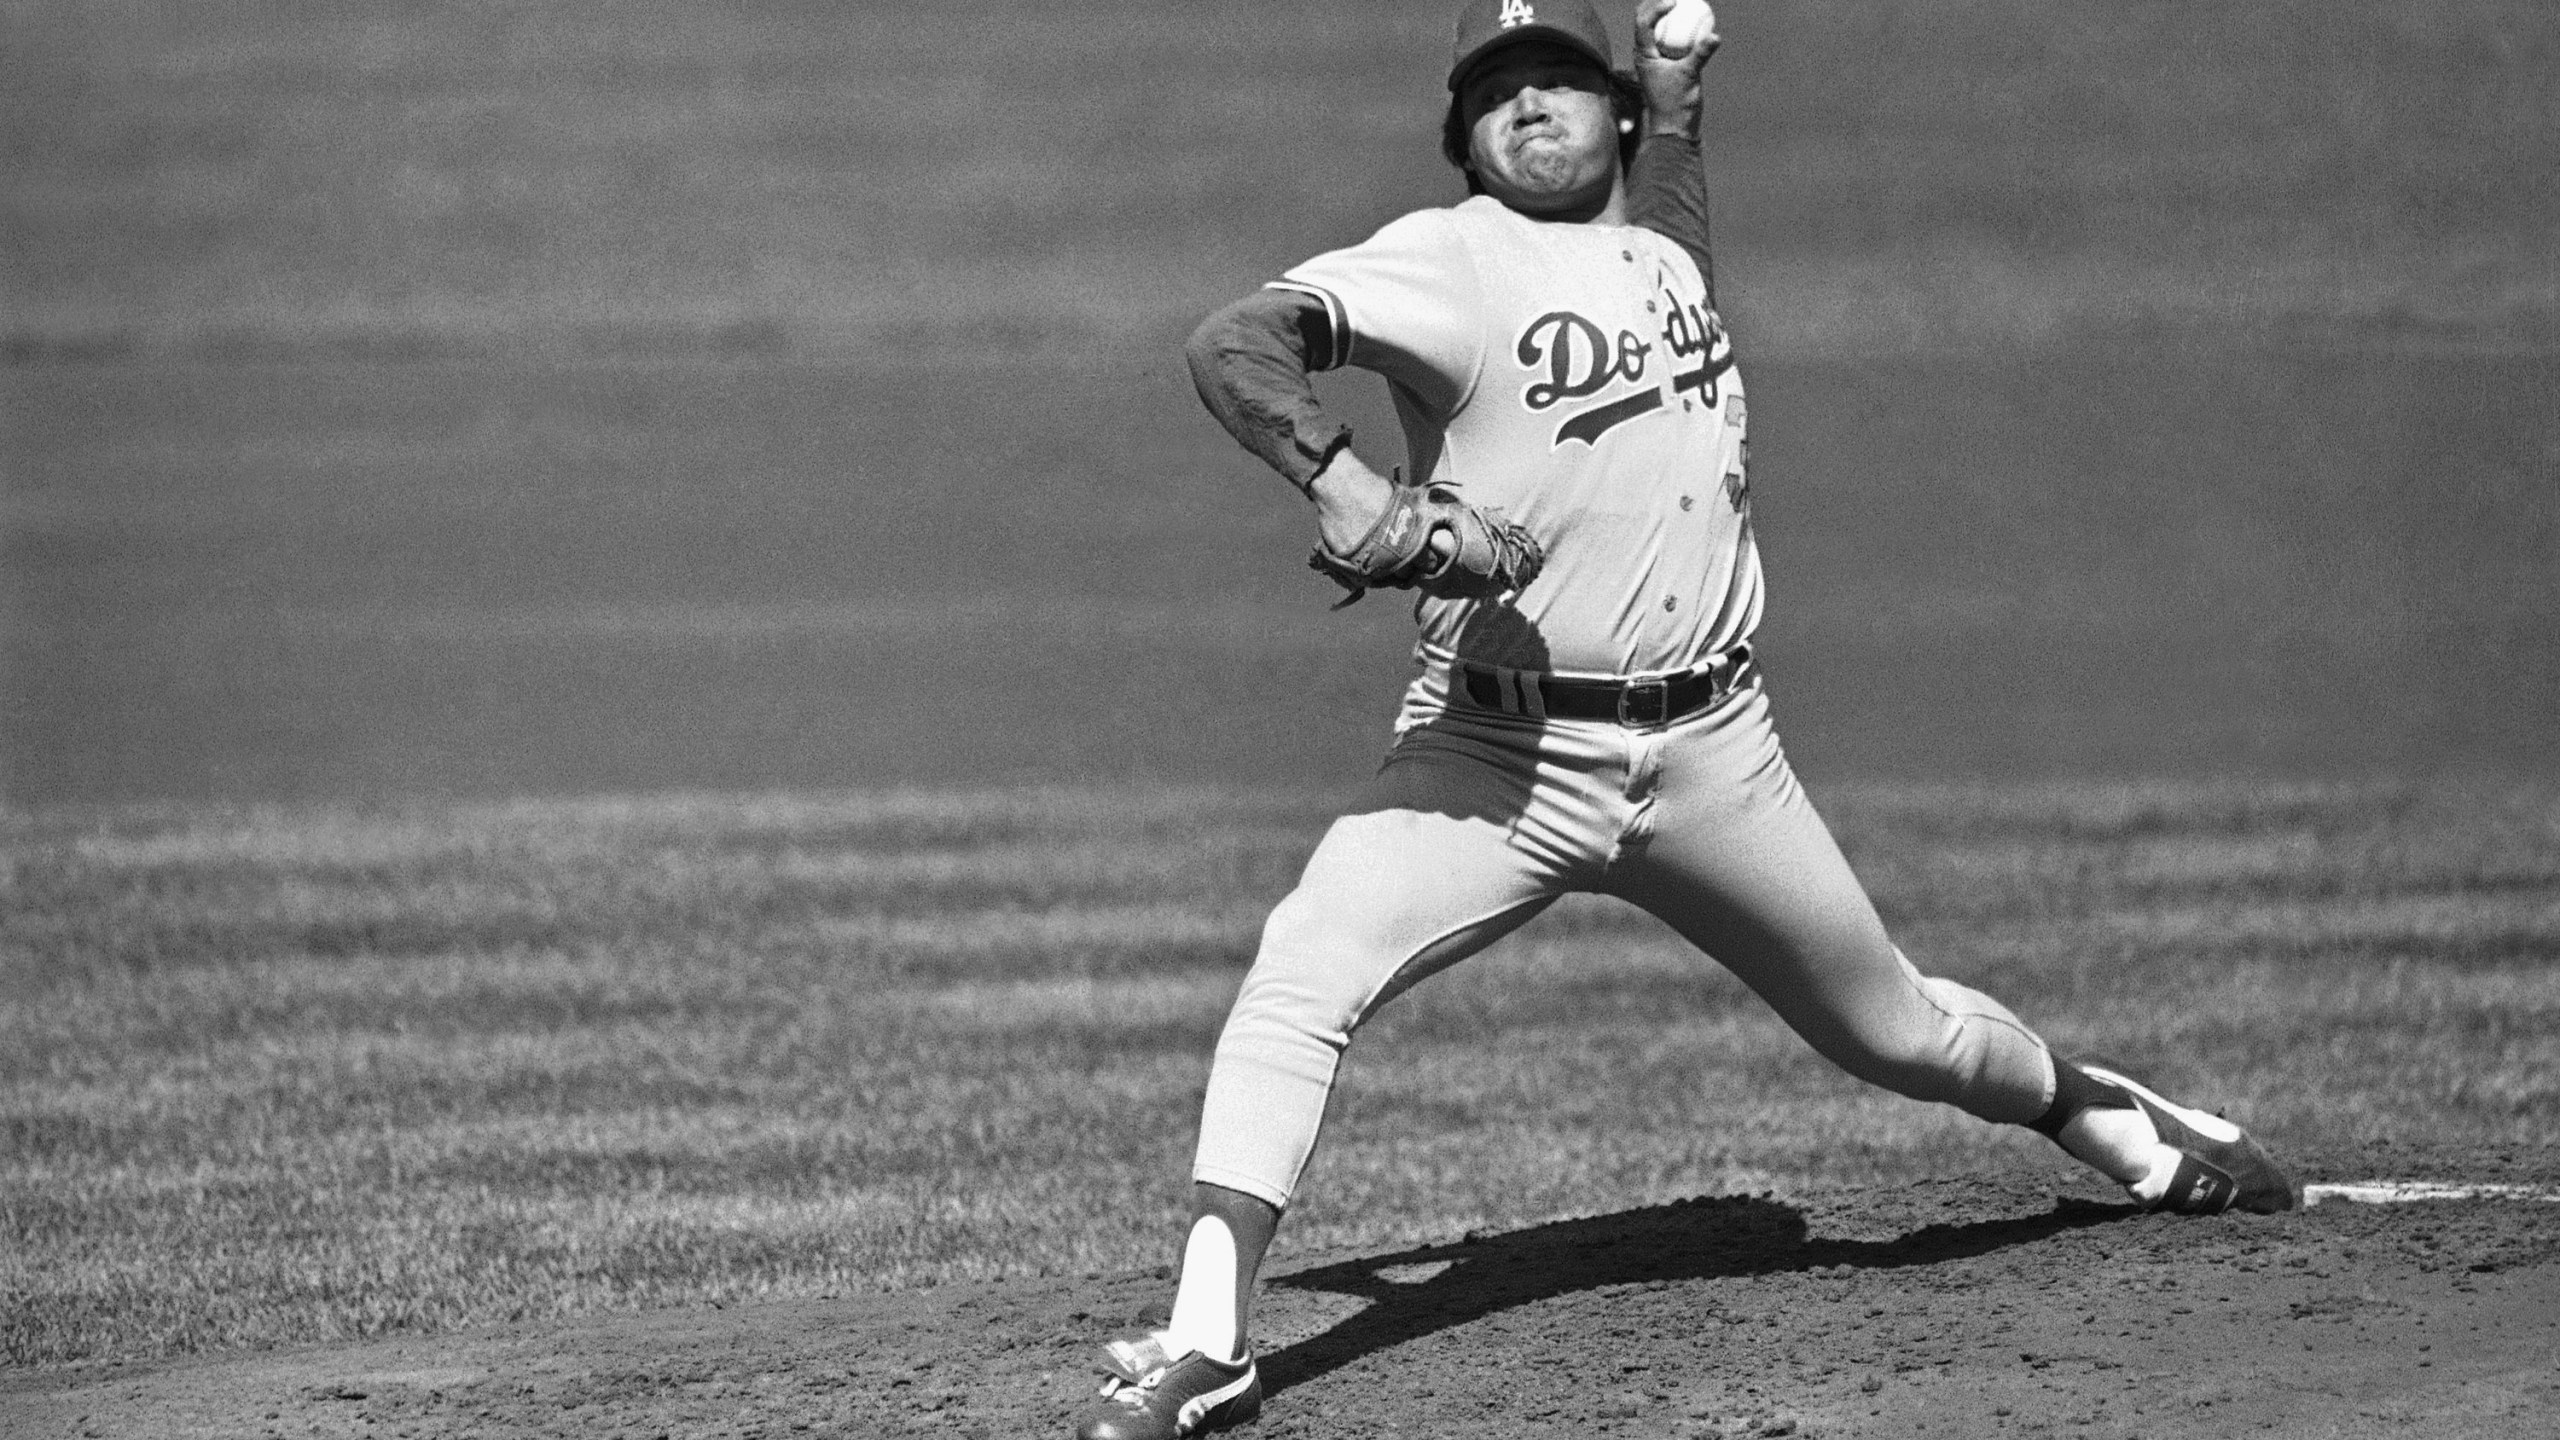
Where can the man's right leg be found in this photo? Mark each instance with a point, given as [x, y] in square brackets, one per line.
[1392, 896]
[1428, 867]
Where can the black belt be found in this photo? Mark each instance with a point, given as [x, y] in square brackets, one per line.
[1637, 704]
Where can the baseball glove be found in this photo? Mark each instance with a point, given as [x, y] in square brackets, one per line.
[1492, 554]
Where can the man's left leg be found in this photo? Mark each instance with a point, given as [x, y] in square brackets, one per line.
[1732, 854]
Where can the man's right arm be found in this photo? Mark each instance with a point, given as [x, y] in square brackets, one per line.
[1252, 362]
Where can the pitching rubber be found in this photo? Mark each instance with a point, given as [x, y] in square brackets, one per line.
[2401, 1192]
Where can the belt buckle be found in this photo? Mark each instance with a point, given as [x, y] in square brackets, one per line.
[1660, 693]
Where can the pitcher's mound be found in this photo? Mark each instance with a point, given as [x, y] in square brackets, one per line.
[1939, 1309]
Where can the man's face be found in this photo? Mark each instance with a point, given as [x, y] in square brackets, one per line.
[1539, 129]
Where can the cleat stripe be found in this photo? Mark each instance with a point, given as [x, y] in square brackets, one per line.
[1198, 1406]
[2211, 1127]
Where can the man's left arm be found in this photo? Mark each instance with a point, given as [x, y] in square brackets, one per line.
[1667, 183]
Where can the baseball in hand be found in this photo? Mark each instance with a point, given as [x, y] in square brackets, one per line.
[1683, 28]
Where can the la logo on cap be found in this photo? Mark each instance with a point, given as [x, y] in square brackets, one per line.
[1486, 26]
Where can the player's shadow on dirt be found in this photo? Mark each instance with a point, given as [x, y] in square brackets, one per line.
[1713, 1237]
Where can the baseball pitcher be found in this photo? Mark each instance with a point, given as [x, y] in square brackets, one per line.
[1576, 531]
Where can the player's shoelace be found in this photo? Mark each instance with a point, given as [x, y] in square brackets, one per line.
[1122, 1392]
[1138, 1367]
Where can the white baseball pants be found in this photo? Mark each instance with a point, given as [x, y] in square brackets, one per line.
[1479, 820]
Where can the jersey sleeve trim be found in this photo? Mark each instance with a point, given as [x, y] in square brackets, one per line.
[1337, 323]
[1399, 303]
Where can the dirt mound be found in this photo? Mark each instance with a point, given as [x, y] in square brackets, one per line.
[1937, 1309]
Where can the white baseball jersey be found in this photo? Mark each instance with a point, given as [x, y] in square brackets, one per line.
[1573, 376]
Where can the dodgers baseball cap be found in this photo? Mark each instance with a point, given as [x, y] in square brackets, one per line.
[1488, 25]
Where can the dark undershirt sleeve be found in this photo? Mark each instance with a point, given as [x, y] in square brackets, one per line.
[1667, 194]
[1249, 362]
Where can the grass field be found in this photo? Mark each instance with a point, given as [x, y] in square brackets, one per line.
[274, 1074]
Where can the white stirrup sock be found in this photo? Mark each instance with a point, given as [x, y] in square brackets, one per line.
[1204, 1303]
[2124, 1146]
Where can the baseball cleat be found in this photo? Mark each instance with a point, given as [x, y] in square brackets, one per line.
[2219, 1167]
[1148, 1394]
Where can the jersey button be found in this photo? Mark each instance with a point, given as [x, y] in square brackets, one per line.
[1688, 502]
[1670, 602]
